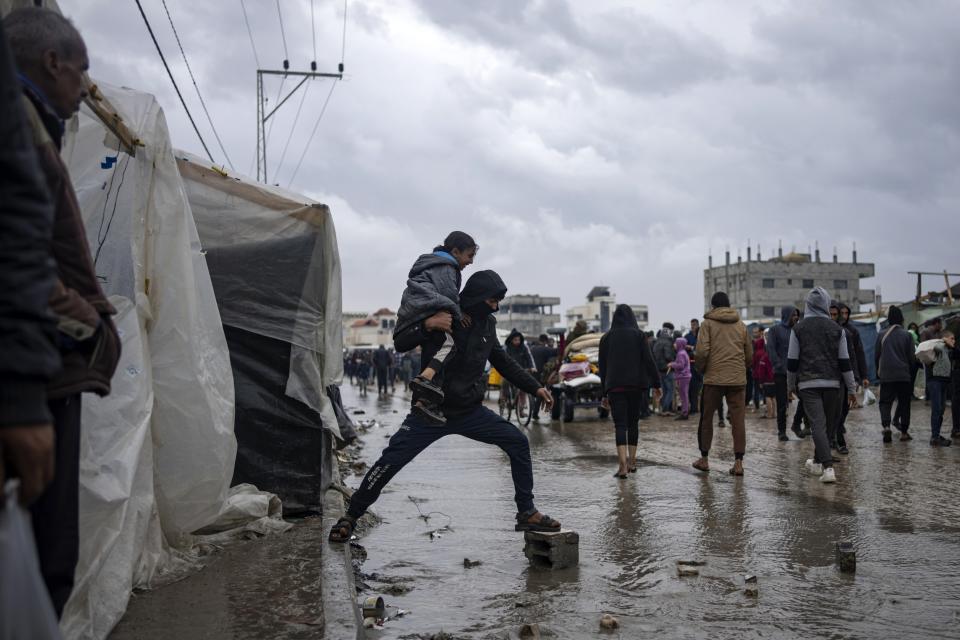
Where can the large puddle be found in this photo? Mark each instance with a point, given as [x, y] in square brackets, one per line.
[896, 503]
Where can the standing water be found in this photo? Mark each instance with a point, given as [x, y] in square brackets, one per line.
[895, 503]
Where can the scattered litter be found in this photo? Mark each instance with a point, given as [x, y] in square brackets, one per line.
[397, 589]
[469, 564]
[687, 572]
[358, 412]
[751, 589]
[692, 563]
[608, 622]
[846, 557]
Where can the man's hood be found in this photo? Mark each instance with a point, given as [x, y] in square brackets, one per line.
[623, 317]
[785, 312]
[481, 286]
[817, 304]
[895, 316]
[727, 315]
[514, 334]
[841, 307]
[429, 260]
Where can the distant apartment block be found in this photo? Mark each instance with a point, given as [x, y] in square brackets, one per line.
[531, 315]
[759, 288]
[598, 310]
[362, 330]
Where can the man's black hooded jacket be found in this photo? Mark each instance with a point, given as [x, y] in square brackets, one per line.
[464, 377]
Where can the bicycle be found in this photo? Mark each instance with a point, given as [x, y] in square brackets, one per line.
[512, 399]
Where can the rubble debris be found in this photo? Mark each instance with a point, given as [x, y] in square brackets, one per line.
[469, 564]
[530, 631]
[751, 589]
[608, 622]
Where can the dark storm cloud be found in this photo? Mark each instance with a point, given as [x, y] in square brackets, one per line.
[585, 143]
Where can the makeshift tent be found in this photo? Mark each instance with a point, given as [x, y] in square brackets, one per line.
[157, 454]
[275, 267]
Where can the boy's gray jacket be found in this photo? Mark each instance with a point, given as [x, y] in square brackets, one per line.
[433, 285]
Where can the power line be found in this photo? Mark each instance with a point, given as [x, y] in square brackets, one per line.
[253, 46]
[195, 86]
[176, 88]
[313, 28]
[283, 36]
[312, 133]
[343, 41]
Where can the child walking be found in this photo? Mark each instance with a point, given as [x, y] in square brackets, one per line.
[433, 285]
[682, 374]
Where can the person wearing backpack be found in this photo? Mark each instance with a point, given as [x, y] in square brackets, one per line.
[894, 358]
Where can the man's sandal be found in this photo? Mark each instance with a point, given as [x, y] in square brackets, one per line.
[545, 524]
[343, 530]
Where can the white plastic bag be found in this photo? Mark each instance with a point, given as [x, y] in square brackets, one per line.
[26, 612]
[927, 351]
[868, 397]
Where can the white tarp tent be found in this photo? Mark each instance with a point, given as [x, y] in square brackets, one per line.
[157, 454]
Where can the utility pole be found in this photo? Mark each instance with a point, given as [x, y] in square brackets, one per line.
[263, 116]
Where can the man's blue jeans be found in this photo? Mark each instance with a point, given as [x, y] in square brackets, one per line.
[415, 435]
[666, 382]
[937, 388]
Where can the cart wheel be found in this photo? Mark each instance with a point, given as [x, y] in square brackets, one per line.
[524, 411]
[557, 407]
[604, 414]
[568, 410]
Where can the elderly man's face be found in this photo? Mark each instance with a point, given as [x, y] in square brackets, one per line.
[64, 84]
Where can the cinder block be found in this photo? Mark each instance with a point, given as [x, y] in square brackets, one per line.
[846, 557]
[552, 550]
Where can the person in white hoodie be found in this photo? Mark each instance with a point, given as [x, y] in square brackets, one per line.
[817, 360]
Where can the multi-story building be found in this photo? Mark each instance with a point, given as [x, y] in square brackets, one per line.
[598, 310]
[371, 330]
[531, 315]
[759, 288]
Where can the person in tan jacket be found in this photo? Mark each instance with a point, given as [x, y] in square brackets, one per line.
[723, 351]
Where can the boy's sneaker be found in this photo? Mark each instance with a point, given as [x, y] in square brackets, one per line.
[828, 476]
[429, 413]
[721, 424]
[426, 390]
[940, 441]
[887, 436]
[813, 468]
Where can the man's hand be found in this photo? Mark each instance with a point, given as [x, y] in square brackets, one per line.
[546, 398]
[791, 396]
[852, 400]
[657, 393]
[866, 383]
[29, 451]
[466, 321]
[605, 403]
[440, 321]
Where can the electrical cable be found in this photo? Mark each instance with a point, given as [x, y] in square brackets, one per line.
[195, 86]
[313, 29]
[343, 45]
[292, 128]
[283, 36]
[113, 213]
[323, 110]
[253, 46]
[176, 88]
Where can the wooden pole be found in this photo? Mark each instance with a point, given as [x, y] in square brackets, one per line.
[946, 280]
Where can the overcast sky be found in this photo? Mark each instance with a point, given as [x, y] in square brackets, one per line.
[584, 143]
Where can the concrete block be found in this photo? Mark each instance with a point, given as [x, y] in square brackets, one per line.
[552, 550]
[846, 557]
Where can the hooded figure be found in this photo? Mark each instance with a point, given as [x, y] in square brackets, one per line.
[778, 339]
[626, 371]
[857, 355]
[681, 365]
[433, 285]
[465, 386]
[625, 360]
[663, 352]
[817, 361]
[520, 353]
[894, 353]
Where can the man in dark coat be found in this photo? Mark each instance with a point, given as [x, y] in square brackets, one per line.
[542, 354]
[464, 387]
[778, 341]
[52, 60]
[894, 357]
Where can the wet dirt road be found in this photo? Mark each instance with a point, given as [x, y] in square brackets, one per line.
[896, 503]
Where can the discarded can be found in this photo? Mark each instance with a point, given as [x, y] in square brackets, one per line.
[846, 557]
[373, 607]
